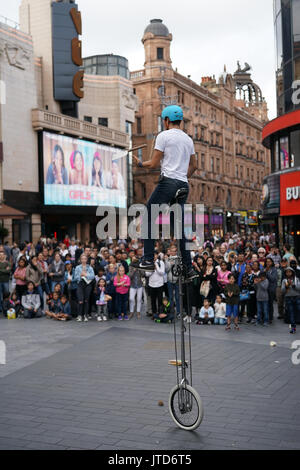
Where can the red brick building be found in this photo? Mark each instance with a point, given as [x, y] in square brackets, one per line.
[224, 117]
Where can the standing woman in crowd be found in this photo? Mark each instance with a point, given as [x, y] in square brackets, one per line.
[35, 274]
[84, 276]
[44, 266]
[70, 283]
[156, 285]
[261, 256]
[57, 272]
[272, 277]
[223, 275]
[20, 277]
[122, 284]
[136, 290]
[209, 285]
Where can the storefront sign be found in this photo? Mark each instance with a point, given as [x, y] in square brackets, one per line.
[290, 194]
[67, 52]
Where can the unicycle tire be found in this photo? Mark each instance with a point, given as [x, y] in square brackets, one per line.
[186, 419]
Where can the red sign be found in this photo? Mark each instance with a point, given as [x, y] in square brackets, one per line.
[290, 193]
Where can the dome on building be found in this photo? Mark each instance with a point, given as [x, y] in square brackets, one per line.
[157, 28]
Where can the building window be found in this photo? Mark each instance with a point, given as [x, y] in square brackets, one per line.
[236, 171]
[140, 154]
[218, 166]
[284, 153]
[196, 132]
[139, 125]
[159, 124]
[202, 161]
[212, 164]
[241, 172]
[295, 148]
[88, 118]
[197, 159]
[160, 53]
[102, 121]
[128, 127]
[202, 133]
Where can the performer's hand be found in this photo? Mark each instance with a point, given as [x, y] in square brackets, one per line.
[135, 160]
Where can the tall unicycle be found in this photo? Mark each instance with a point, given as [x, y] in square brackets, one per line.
[185, 404]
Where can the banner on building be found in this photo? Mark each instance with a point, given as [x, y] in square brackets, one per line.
[82, 173]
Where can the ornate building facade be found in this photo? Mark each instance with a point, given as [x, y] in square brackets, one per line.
[224, 117]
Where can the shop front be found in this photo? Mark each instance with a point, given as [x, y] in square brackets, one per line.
[290, 209]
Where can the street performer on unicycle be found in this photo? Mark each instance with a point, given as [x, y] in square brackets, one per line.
[174, 152]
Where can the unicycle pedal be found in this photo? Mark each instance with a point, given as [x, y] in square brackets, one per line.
[178, 363]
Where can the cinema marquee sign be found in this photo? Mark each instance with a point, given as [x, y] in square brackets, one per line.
[67, 53]
[290, 193]
[293, 193]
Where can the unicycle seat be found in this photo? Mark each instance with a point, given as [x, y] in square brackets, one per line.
[181, 193]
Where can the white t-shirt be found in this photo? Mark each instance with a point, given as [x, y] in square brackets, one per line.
[177, 147]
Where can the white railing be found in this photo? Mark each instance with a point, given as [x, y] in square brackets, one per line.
[9, 22]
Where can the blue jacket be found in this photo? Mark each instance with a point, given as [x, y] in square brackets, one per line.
[73, 284]
[240, 274]
[110, 288]
[89, 270]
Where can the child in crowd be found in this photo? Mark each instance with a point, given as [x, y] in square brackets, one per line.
[220, 311]
[122, 284]
[59, 309]
[102, 299]
[167, 314]
[66, 314]
[232, 297]
[261, 285]
[31, 302]
[111, 290]
[206, 315]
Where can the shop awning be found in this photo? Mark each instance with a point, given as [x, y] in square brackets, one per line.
[7, 212]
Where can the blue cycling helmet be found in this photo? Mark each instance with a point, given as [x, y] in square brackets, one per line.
[174, 113]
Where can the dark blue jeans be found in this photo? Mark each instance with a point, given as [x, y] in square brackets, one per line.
[293, 308]
[164, 194]
[122, 301]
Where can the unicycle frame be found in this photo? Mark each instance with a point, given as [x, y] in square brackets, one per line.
[185, 400]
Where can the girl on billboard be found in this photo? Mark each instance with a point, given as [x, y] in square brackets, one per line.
[98, 176]
[57, 173]
[115, 179]
[78, 174]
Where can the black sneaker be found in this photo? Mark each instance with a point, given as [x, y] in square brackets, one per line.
[190, 275]
[147, 265]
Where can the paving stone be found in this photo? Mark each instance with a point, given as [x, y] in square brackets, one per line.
[96, 388]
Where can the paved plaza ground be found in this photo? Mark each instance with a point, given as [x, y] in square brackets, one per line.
[97, 386]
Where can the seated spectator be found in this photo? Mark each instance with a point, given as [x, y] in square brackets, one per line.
[31, 302]
[167, 312]
[59, 309]
[15, 304]
[220, 311]
[206, 315]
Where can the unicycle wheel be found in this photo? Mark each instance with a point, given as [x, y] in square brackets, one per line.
[186, 408]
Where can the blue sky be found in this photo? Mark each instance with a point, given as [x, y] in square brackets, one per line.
[206, 35]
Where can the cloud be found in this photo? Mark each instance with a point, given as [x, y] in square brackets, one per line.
[206, 35]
